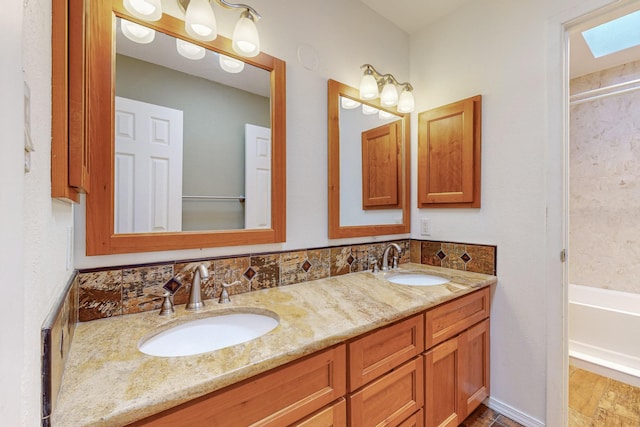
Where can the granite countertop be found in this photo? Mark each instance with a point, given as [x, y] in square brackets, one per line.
[107, 381]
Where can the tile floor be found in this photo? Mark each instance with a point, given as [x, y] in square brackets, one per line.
[485, 417]
[596, 401]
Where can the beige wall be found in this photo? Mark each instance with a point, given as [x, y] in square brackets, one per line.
[604, 180]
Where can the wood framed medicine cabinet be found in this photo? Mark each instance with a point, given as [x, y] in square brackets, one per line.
[449, 149]
[391, 212]
[100, 24]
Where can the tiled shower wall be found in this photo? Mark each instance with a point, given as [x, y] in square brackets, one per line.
[605, 180]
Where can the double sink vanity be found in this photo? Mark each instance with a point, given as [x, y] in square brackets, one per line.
[355, 349]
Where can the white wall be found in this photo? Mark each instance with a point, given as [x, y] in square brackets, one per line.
[344, 35]
[11, 185]
[511, 54]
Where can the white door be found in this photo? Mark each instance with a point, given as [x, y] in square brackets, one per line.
[148, 167]
[257, 208]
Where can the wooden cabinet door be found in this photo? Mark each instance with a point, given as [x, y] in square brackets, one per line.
[391, 399]
[381, 166]
[333, 416]
[449, 155]
[474, 367]
[441, 385]
[279, 397]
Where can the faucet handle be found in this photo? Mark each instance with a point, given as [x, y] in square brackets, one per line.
[224, 296]
[167, 305]
[373, 264]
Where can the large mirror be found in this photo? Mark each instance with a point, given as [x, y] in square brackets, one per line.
[213, 170]
[368, 166]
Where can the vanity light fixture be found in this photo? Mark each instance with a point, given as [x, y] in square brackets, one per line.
[384, 115]
[368, 110]
[371, 83]
[136, 32]
[231, 65]
[348, 103]
[190, 50]
[200, 21]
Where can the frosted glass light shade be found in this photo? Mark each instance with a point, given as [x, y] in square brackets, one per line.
[149, 10]
[136, 32]
[389, 95]
[368, 110]
[384, 115]
[368, 87]
[406, 103]
[231, 65]
[348, 103]
[245, 40]
[190, 50]
[200, 22]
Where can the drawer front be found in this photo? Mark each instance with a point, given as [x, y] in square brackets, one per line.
[390, 400]
[449, 319]
[384, 349]
[415, 420]
[333, 416]
[277, 398]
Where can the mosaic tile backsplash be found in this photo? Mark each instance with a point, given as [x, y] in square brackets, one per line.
[126, 290]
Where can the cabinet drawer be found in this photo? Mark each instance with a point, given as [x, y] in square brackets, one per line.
[384, 349]
[390, 400]
[415, 420]
[451, 318]
[333, 416]
[279, 397]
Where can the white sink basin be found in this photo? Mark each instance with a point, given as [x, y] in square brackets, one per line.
[208, 334]
[415, 279]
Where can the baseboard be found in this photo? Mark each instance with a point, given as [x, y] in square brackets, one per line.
[513, 413]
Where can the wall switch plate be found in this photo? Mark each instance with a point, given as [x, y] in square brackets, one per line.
[425, 227]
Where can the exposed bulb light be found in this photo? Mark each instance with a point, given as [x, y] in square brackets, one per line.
[384, 115]
[136, 32]
[200, 22]
[368, 110]
[368, 86]
[149, 10]
[389, 95]
[190, 50]
[348, 103]
[245, 40]
[231, 65]
[406, 103]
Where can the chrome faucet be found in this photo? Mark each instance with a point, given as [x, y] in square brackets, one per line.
[385, 256]
[195, 298]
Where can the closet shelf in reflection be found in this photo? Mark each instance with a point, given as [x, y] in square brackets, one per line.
[241, 199]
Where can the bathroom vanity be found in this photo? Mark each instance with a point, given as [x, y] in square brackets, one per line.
[343, 346]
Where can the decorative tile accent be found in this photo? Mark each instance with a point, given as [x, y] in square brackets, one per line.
[100, 294]
[184, 273]
[459, 256]
[320, 260]
[359, 258]
[267, 269]
[230, 270]
[291, 268]
[306, 266]
[249, 273]
[142, 287]
[340, 263]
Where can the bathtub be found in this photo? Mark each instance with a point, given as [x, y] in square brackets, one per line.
[604, 332]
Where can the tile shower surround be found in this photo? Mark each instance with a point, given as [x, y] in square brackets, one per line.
[107, 292]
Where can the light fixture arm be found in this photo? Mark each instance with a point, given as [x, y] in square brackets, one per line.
[184, 3]
[382, 78]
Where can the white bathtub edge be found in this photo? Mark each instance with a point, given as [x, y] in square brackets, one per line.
[584, 357]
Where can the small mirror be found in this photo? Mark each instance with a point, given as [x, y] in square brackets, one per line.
[368, 166]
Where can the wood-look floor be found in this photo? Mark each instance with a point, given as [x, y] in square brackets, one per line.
[485, 417]
[596, 401]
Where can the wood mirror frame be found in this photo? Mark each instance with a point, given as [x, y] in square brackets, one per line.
[336, 230]
[101, 239]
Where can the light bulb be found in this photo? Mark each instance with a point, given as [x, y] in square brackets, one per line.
[406, 103]
[368, 87]
[200, 22]
[136, 32]
[190, 50]
[149, 10]
[389, 95]
[246, 41]
[348, 103]
[368, 110]
[231, 65]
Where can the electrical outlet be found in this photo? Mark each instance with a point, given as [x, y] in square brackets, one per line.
[425, 227]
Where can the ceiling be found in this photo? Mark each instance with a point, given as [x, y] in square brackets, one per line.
[413, 15]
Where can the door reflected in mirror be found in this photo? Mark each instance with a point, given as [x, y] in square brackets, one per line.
[192, 139]
[368, 166]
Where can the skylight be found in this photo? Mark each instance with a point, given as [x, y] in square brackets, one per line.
[614, 36]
